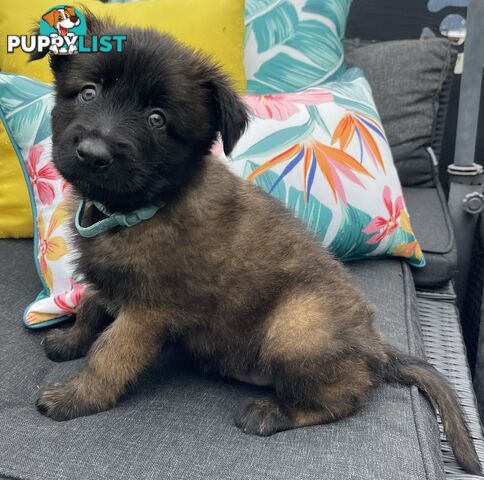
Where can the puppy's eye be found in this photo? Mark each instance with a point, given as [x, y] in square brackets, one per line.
[156, 119]
[88, 93]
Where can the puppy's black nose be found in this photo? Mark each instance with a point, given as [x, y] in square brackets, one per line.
[94, 154]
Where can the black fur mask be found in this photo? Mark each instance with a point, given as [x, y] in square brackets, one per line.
[131, 128]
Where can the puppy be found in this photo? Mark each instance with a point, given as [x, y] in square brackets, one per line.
[216, 264]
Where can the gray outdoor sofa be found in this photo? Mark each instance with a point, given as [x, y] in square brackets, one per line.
[179, 425]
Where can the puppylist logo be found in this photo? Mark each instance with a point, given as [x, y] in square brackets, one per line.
[63, 30]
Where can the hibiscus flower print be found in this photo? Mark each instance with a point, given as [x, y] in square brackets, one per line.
[68, 301]
[281, 106]
[408, 250]
[217, 148]
[384, 227]
[41, 177]
[39, 317]
[51, 248]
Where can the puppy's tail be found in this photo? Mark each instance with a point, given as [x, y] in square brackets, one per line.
[407, 370]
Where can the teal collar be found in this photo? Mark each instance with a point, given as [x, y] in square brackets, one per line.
[115, 219]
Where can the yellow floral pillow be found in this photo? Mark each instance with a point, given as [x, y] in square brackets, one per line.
[215, 27]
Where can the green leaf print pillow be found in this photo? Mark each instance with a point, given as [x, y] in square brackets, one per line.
[323, 153]
[293, 45]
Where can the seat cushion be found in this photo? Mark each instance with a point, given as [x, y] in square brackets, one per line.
[432, 225]
[177, 424]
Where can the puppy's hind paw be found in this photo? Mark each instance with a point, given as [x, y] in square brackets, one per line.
[263, 417]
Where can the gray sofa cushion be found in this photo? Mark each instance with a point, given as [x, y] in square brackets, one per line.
[406, 77]
[178, 425]
[432, 226]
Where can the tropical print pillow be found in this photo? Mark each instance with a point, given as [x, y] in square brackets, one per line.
[293, 45]
[25, 107]
[323, 152]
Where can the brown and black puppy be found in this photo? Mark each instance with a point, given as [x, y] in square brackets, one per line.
[222, 268]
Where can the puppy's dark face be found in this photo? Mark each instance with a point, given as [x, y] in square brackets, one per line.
[131, 128]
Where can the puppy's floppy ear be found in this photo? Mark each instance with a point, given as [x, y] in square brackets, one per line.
[231, 113]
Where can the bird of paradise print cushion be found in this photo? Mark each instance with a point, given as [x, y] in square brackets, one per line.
[293, 45]
[323, 152]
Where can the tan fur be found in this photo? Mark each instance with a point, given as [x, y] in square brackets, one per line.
[287, 327]
[113, 362]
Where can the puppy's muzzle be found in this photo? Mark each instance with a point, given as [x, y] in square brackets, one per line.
[94, 154]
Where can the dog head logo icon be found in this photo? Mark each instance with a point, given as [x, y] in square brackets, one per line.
[62, 19]
[62, 23]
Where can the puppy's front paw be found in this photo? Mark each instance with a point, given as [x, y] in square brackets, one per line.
[62, 345]
[62, 401]
[263, 417]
